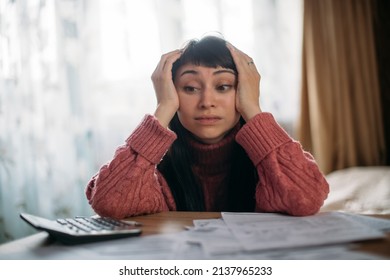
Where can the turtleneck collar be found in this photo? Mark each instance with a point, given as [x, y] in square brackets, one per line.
[213, 158]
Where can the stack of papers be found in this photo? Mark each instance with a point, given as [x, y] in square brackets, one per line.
[257, 232]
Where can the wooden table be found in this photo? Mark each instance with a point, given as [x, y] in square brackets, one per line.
[170, 222]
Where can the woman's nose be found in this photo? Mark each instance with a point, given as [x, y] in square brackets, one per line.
[207, 99]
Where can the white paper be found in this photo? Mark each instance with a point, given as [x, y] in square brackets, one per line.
[373, 222]
[263, 231]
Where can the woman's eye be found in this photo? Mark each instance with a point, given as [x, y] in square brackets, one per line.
[224, 88]
[189, 89]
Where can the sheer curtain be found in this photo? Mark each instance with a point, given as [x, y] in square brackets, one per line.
[75, 81]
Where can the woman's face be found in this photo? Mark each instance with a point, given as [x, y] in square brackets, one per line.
[207, 99]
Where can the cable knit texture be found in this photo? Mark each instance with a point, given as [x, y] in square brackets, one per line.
[130, 184]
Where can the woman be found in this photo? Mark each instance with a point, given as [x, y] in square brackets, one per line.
[208, 146]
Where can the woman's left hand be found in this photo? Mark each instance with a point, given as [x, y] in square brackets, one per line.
[248, 85]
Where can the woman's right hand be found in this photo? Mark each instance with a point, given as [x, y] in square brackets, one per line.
[167, 98]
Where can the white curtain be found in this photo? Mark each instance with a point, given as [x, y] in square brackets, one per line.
[75, 81]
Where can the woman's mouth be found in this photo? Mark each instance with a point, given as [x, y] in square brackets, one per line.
[208, 120]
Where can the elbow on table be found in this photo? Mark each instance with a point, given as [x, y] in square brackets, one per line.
[311, 201]
[306, 207]
[305, 210]
[107, 210]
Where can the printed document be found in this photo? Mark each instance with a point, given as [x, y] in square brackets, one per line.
[262, 231]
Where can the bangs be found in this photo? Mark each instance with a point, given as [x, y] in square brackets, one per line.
[208, 52]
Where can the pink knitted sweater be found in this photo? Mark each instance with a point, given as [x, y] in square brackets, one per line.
[130, 184]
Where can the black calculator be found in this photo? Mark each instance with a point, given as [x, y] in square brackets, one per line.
[83, 229]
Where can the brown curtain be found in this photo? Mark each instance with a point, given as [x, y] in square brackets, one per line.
[341, 119]
[382, 47]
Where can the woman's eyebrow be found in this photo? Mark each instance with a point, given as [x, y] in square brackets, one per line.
[193, 72]
[220, 71]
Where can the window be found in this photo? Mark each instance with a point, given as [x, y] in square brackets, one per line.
[75, 81]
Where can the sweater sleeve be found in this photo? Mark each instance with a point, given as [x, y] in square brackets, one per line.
[289, 179]
[130, 183]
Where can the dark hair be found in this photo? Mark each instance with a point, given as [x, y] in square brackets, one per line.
[176, 165]
[210, 51]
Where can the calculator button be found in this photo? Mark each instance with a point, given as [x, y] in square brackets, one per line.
[62, 221]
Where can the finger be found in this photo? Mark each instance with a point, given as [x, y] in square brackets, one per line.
[238, 55]
[168, 59]
[242, 60]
